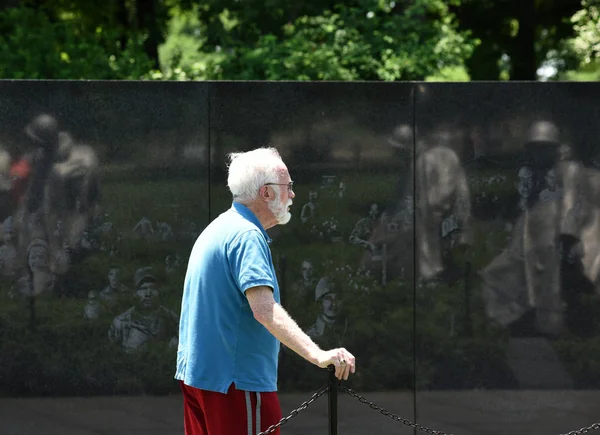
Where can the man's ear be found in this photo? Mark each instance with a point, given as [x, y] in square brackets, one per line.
[265, 193]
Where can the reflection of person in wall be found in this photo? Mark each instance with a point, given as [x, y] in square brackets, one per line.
[554, 256]
[442, 191]
[326, 322]
[64, 186]
[144, 322]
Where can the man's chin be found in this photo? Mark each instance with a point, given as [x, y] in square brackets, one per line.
[285, 219]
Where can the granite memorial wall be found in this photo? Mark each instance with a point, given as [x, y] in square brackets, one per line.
[446, 234]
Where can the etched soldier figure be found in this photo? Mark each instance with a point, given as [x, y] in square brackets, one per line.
[39, 276]
[364, 228]
[309, 209]
[525, 187]
[164, 231]
[8, 251]
[551, 192]
[326, 322]
[342, 190]
[93, 309]
[143, 228]
[172, 263]
[145, 322]
[301, 294]
[115, 288]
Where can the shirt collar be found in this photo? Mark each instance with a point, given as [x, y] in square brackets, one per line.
[247, 214]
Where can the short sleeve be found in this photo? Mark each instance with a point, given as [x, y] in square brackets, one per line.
[250, 261]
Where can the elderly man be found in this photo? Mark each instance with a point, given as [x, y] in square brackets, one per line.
[231, 320]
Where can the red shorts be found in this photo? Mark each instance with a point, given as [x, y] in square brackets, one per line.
[235, 413]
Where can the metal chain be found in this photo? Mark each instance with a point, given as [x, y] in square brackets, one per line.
[385, 412]
[296, 411]
[595, 426]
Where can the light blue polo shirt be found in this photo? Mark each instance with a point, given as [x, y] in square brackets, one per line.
[220, 341]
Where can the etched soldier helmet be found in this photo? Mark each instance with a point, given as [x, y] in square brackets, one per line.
[142, 275]
[544, 132]
[323, 287]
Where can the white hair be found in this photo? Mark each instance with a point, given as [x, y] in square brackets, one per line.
[249, 171]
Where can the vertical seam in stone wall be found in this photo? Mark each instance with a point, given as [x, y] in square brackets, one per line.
[414, 240]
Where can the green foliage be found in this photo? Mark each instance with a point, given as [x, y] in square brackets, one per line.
[371, 41]
[60, 49]
[586, 24]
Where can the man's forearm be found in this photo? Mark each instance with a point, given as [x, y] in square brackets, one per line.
[279, 323]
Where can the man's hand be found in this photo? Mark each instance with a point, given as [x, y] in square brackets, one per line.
[343, 361]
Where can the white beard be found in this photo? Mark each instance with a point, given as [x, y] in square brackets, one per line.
[280, 211]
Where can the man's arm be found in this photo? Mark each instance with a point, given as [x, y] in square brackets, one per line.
[279, 323]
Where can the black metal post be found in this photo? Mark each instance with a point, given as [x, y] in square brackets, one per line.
[333, 396]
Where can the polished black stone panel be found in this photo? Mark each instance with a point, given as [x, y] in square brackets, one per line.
[507, 246]
[102, 193]
[345, 259]
[446, 234]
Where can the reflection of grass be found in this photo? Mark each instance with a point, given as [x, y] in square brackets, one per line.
[164, 201]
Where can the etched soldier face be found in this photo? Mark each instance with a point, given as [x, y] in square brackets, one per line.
[114, 277]
[38, 258]
[525, 182]
[312, 196]
[551, 180]
[330, 305]
[307, 270]
[146, 292]
[374, 211]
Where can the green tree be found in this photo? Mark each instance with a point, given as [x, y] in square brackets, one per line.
[370, 40]
[61, 49]
[517, 36]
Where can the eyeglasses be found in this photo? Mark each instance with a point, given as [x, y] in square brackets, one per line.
[290, 185]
